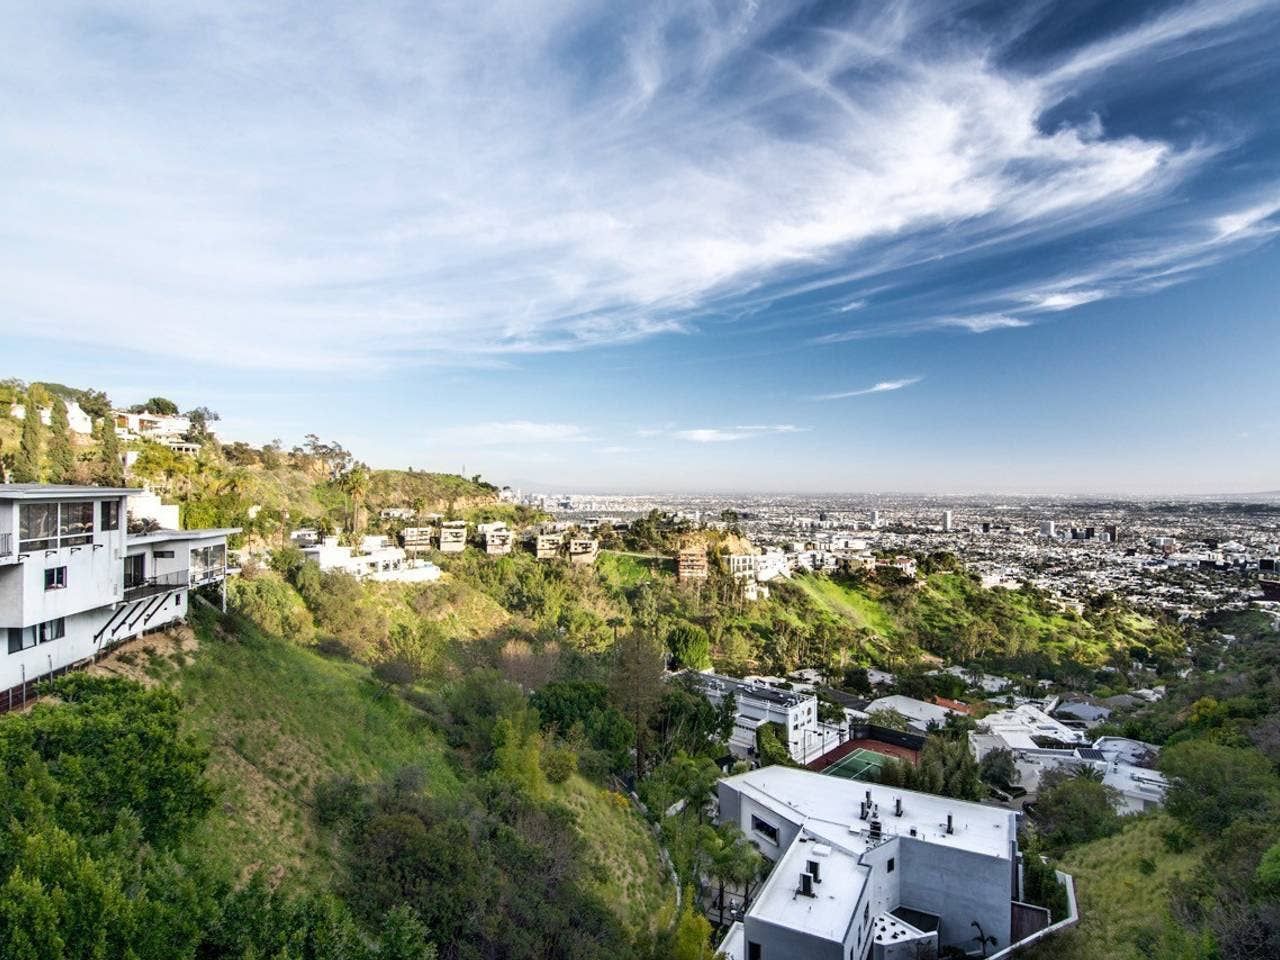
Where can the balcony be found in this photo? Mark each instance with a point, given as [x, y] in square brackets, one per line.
[202, 575]
[150, 586]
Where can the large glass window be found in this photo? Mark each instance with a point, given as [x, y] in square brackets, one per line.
[47, 526]
[76, 526]
[37, 526]
[21, 638]
[53, 630]
[110, 515]
[208, 561]
[135, 569]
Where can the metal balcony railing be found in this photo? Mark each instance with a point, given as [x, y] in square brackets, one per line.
[150, 586]
[203, 575]
[6, 544]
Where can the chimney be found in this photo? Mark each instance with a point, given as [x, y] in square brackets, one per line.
[815, 871]
[806, 885]
[897, 806]
[949, 827]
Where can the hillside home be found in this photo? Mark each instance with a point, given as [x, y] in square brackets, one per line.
[398, 513]
[73, 582]
[865, 871]
[376, 558]
[691, 564]
[546, 546]
[757, 704]
[497, 538]
[921, 716]
[583, 550]
[77, 420]
[453, 536]
[150, 426]
[418, 539]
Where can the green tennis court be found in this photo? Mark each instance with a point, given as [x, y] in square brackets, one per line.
[860, 765]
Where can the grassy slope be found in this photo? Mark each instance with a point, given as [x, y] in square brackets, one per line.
[281, 719]
[623, 570]
[1117, 900]
[628, 873]
[859, 606]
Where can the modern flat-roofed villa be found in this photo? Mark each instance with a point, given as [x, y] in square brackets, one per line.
[74, 582]
[864, 871]
[757, 704]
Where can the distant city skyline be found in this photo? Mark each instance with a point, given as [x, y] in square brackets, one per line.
[918, 247]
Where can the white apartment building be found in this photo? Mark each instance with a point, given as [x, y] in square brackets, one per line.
[497, 538]
[583, 550]
[73, 582]
[453, 536]
[869, 872]
[807, 737]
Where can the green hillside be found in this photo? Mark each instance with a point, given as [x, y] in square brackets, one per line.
[1123, 887]
[280, 720]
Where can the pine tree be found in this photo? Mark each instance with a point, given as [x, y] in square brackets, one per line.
[26, 466]
[61, 459]
[110, 471]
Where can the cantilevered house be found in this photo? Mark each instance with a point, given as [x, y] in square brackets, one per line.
[73, 581]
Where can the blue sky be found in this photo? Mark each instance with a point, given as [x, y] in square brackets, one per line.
[727, 246]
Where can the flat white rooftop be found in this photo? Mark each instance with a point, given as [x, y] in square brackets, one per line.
[828, 913]
[829, 807]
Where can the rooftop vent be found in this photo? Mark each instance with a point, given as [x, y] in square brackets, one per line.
[950, 829]
[897, 806]
[815, 870]
[875, 830]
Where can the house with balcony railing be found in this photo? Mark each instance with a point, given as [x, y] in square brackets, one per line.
[74, 582]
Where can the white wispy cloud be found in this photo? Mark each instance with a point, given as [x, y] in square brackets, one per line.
[504, 432]
[983, 322]
[709, 435]
[427, 184]
[884, 386]
[726, 434]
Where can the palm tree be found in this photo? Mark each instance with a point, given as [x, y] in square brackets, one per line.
[355, 483]
[614, 623]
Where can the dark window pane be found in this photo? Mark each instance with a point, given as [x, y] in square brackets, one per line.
[77, 523]
[110, 515]
[37, 525]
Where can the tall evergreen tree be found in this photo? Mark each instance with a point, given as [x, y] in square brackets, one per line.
[110, 471]
[61, 459]
[26, 465]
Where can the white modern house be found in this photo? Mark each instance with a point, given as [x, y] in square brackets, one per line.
[757, 704]
[74, 582]
[865, 871]
[150, 426]
[77, 420]
[1040, 744]
[921, 715]
[376, 558]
